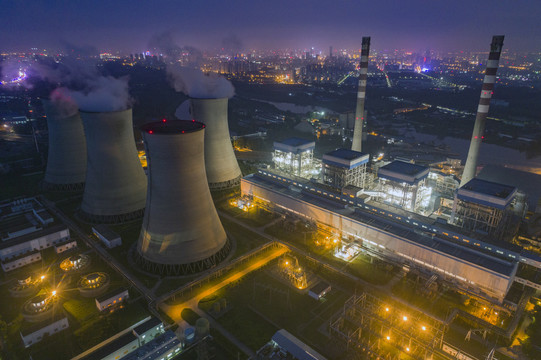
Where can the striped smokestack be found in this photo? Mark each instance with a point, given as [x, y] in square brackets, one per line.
[482, 109]
[361, 95]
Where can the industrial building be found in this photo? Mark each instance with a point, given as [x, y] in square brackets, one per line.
[403, 184]
[181, 231]
[345, 167]
[66, 160]
[222, 168]
[115, 181]
[488, 208]
[285, 345]
[111, 298]
[471, 263]
[27, 229]
[108, 237]
[34, 333]
[295, 156]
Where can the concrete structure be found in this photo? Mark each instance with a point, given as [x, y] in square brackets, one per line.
[34, 333]
[111, 298]
[181, 231]
[486, 207]
[221, 164]
[65, 246]
[403, 184]
[485, 269]
[299, 350]
[294, 156]
[149, 330]
[345, 167]
[115, 181]
[107, 236]
[356, 145]
[66, 161]
[482, 110]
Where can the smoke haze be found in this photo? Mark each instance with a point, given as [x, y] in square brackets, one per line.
[63, 102]
[195, 84]
[103, 94]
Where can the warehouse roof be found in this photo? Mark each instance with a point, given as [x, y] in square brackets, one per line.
[295, 347]
[487, 193]
[401, 171]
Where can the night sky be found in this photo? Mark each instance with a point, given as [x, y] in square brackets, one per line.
[129, 24]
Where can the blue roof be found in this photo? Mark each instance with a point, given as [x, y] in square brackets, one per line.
[295, 141]
[405, 168]
[489, 188]
[346, 154]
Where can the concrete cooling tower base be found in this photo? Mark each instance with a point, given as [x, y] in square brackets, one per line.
[110, 219]
[224, 185]
[183, 269]
[46, 186]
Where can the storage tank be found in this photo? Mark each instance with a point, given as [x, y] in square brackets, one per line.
[223, 170]
[202, 327]
[181, 230]
[116, 184]
[66, 162]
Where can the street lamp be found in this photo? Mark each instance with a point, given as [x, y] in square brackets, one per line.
[405, 318]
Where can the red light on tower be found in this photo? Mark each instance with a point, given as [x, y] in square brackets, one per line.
[164, 120]
[150, 131]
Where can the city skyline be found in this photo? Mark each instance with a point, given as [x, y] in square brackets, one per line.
[126, 26]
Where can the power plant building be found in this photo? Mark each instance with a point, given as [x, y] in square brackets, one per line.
[403, 184]
[181, 231]
[222, 168]
[115, 180]
[486, 269]
[294, 156]
[487, 208]
[66, 160]
[345, 167]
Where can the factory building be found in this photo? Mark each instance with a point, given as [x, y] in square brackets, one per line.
[115, 181]
[294, 156]
[345, 167]
[488, 208]
[26, 229]
[108, 237]
[403, 184]
[111, 298]
[285, 345]
[181, 231]
[396, 235]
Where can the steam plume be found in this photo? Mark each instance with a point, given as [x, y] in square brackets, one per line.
[104, 93]
[195, 84]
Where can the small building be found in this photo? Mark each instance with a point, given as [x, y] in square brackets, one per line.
[319, 290]
[403, 184]
[65, 246]
[111, 298]
[34, 333]
[293, 346]
[148, 330]
[487, 208]
[294, 156]
[107, 236]
[16, 262]
[116, 349]
[345, 167]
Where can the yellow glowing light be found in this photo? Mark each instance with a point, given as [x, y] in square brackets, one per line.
[423, 328]
[335, 241]
[388, 338]
[287, 262]
[496, 313]
[484, 308]
[54, 292]
[42, 277]
[407, 349]
[387, 309]
[405, 318]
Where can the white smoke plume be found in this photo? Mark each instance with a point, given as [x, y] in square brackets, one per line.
[195, 84]
[102, 94]
[63, 103]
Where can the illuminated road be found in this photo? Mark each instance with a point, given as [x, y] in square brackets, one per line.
[174, 311]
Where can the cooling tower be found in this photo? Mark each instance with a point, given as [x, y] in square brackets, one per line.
[181, 231]
[482, 109]
[66, 163]
[116, 184]
[357, 143]
[222, 168]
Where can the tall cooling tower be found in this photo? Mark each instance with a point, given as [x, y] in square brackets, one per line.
[66, 163]
[482, 109]
[357, 143]
[116, 184]
[223, 170]
[181, 230]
